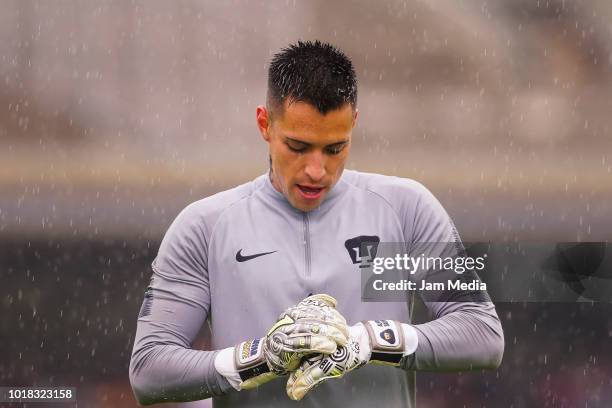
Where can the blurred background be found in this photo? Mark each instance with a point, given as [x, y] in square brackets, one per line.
[114, 115]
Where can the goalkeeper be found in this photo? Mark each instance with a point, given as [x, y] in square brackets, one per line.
[240, 257]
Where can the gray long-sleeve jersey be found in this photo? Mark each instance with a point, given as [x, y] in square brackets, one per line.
[206, 270]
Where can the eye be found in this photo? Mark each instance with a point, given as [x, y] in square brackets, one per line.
[335, 149]
[295, 146]
[295, 149]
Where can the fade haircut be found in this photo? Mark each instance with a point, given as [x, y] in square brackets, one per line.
[313, 72]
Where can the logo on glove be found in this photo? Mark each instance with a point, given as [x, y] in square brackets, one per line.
[388, 336]
[249, 348]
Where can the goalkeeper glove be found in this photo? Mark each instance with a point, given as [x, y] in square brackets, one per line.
[373, 341]
[312, 326]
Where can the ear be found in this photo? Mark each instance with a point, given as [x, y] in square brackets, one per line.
[355, 117]
[263, 122]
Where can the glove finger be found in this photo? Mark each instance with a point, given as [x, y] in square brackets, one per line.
[307, 377]
[284, 351]
[320, 298]
[328, 343]
[326, 315]
[317, 304]
[286, 356]
[291, 320]
[337, 316]
[310, 339]
[339, 333]
[257, 381]
[311, 344]
[306, 343]
[314, 370]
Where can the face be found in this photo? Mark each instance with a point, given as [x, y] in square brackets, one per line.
[308, 150]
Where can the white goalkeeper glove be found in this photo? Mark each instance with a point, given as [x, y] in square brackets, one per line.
[373, 341]
[312, 326]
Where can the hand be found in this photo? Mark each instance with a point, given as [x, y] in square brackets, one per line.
[375, 341]
[313, 326]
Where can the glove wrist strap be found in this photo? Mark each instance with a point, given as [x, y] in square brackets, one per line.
[250, 360]
[386, 341]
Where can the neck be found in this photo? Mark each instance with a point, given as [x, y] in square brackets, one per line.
[274, 181]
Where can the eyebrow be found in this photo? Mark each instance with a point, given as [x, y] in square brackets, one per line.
[306, 144]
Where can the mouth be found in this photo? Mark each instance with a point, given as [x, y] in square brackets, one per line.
[311, 192]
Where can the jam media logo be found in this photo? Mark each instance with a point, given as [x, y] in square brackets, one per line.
[362, 249]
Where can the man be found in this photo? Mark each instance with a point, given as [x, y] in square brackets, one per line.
[242, 256]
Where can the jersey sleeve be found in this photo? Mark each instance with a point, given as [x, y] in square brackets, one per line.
[465, 332]
[163, 366]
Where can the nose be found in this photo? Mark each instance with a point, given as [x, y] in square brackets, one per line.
[315, 166]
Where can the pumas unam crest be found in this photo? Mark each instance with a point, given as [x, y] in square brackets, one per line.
[362, 249]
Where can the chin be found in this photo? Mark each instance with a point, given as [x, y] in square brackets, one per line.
[310, 207]
[302, 206]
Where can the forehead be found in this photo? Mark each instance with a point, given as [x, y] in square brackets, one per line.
[303, 121]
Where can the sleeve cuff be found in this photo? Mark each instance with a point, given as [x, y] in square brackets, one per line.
[224, 364]
[411, 339]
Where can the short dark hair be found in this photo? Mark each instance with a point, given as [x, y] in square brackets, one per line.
[314, 72]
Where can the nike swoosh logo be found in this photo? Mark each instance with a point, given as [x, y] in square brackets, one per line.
[243, 258]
